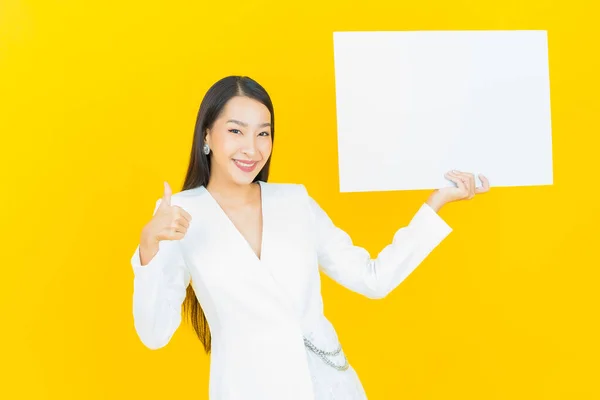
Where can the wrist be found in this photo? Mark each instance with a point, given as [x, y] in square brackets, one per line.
[147, 239]
[148, 247]
[435, 201]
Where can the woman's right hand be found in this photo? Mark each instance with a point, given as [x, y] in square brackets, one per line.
[168, 223]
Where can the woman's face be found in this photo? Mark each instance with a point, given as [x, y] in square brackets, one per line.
[240, 140]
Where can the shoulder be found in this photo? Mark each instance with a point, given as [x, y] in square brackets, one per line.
[189, 193]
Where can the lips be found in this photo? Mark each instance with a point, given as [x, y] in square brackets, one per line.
[246, 166]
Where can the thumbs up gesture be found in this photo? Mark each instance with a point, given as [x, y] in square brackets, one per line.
[169, 222]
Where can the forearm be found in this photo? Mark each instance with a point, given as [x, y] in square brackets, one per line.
[159, 288]
[353, 267]
[435, 201]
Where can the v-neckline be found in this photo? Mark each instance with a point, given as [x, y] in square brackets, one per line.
[222, 212]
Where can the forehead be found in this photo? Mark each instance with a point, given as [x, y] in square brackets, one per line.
[246, 109]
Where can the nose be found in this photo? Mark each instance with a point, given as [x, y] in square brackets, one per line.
[249, 147]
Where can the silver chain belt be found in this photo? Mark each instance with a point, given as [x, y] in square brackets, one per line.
[323, 355]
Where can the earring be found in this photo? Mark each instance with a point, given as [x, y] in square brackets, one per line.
[206, 149]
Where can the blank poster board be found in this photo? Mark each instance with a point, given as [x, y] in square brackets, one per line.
[413, 105]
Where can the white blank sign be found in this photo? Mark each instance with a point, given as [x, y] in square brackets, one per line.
[414, 105]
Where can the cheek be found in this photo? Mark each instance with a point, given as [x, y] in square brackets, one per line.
[265, 148]
[226, 147]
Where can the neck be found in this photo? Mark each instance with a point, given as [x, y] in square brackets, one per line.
[230, 192]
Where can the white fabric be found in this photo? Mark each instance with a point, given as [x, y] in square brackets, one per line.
[259, 310]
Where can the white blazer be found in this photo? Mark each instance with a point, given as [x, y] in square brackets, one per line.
[259, 310]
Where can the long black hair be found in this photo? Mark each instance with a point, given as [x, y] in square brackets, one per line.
[198, 173]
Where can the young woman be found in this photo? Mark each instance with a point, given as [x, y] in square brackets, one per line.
[243, 257]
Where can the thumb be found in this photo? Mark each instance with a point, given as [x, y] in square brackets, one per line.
[166, 199]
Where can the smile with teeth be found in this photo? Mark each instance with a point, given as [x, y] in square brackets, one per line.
[246, 164]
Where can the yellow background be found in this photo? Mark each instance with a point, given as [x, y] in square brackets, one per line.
[98, 103]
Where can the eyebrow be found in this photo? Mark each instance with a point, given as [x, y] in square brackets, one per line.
[235, 121]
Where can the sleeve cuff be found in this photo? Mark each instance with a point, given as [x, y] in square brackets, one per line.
[150, 270]
[429, 224]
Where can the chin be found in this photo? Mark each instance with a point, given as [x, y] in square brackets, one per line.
[244, 178]
[243, 181]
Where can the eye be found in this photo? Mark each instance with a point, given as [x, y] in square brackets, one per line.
[265, 133]
[236, 131]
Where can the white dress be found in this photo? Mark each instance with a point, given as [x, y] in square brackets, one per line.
[261, 311]
[331, 384]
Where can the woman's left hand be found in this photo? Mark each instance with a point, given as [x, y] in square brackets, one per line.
[466, 189]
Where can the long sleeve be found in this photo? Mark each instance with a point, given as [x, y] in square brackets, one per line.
[159, 289]
[353, 267]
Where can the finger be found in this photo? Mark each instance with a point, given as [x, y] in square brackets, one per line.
[469, 180]
[472, 184]
[179, 236]
[452, 176]
[484, 180]
[476, 187]
[458, 173]
[176, 235]
[177, 229]
[181, 221]
[166, 199]
[462, 177]
[456, 179]
[172, 232]
[485, 184]
[184, 213]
